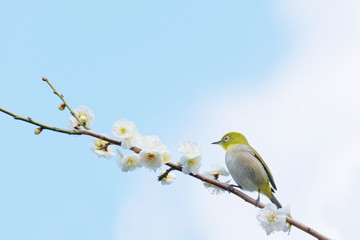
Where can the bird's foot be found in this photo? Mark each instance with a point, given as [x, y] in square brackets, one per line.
[257, 201]
[232, 186]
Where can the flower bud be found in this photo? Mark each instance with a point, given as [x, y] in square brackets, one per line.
[62, 107]
[38, 130]
[83, 120]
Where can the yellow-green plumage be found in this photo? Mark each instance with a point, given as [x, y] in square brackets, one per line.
[246, 166]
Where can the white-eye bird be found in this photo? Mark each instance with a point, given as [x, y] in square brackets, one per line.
[246, 166]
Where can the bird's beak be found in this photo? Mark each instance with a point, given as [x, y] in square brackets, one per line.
[218, 142]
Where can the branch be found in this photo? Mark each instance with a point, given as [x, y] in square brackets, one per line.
[251, 201]
[110, 140]
[173, 166]
[41, 125]
[63, 100]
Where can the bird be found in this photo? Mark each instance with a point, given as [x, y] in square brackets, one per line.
[247, 168]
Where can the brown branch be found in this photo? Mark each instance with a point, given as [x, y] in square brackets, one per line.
[306, 229]
[220, 185]
[251, 201]
[165, 174]
[110, 140]
[173, 166]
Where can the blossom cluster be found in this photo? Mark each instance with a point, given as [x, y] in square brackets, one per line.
[153, 155]
[153, 152]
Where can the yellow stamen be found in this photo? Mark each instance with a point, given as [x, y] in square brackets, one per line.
[151, 157]
[271, 217]
[123, 130]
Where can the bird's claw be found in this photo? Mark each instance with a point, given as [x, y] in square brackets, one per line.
[232, 186]
[257, 200]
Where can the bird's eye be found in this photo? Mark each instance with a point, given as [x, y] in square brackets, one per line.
[226, 138]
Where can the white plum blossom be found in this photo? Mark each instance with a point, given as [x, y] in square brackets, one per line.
[214, 189]
[129, 162]
[189, 149]
[170, 177]
[190, 165]
[127, 132]
[124, 129]
[286, 211]
[218, 170]
[214, 173]
[166, 154]
[153, 143]
[273, 219]
[85, 116]
[150, 142]
[151, 158]
[191, 160]
[101, 148]
[128, 143]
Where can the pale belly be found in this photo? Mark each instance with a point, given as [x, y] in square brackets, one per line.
[245, 169]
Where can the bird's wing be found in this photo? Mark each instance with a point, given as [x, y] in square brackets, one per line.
[271, 179]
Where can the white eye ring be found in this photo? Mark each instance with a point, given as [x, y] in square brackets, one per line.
[226, 138]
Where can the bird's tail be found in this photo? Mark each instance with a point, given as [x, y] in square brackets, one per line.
[275, 201]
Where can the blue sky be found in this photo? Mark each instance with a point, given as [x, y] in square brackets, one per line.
[180, 70]
[162, 54]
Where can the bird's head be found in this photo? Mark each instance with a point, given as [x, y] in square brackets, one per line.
[231, 139]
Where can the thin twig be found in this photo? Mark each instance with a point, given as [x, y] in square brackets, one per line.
[63, 100]
[104, 147]
[43, 126]
[165, 173]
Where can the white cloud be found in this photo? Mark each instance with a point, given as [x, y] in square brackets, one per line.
[305, 122]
